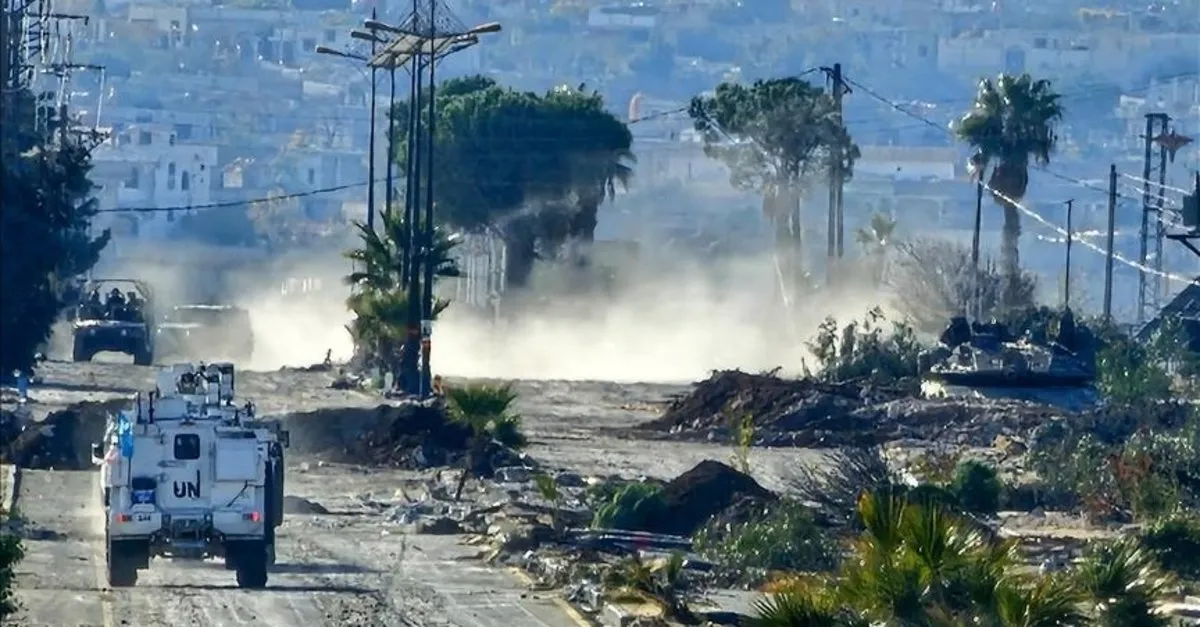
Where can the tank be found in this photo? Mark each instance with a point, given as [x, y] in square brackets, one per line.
[985, 360]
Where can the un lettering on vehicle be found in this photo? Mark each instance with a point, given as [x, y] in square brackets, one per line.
[187, 489]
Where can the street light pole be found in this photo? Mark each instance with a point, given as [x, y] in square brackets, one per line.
[421, 49]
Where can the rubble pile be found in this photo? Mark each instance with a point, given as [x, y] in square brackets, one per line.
[410, 435]
[810, 413]
[775, 403]
[63, 440]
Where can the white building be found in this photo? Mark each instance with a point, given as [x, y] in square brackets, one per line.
[145, 167]
[1048, 53]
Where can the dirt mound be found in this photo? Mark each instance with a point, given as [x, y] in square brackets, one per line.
[708, 489]
[408, 435]
[63, 440]
[774, 405]
[810, 413]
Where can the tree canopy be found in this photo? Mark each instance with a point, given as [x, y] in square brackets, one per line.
[537, 167]
[775, 136]
[45, 212]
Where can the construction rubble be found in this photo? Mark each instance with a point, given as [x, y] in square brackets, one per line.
[813, 414]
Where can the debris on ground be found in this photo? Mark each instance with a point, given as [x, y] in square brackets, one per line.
[810, 413]
[411, 435]
[63, 439]
[297, 505]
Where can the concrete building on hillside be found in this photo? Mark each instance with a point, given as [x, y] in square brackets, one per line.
[145, 166]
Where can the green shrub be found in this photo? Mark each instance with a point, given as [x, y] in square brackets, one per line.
[866, 349]
[927, 495]
[784, 537]
[11, 553]
[977, 487]
[631, 507]
[1175, 542]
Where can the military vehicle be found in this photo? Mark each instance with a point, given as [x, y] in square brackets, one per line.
[187, 474]
[205, 332]
[985, 360]
[114, 315]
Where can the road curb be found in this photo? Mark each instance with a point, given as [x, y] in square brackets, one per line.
[608, 614]
[12, 483]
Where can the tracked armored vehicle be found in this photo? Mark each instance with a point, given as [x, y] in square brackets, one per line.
[984, 360]
[187, 474]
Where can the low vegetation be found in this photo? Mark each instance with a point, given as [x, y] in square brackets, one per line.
[919, 564]
[487, 412]
[866, 349]
[626, 506]
[12, 551]
[783, 537]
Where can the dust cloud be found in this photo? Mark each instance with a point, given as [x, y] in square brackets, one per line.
[666, 324]
[673, 327]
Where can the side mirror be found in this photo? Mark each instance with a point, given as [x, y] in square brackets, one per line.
[285, 438]
[97, 450]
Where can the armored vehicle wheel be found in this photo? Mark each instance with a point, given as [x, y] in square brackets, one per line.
[143, 357]
[122, 565]
[80, 352]
[251, 564]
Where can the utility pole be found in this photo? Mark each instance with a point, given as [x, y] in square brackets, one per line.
[1156, 126]
[426, 383]
[1112, 228]
[1067, 278]
[836, 219]
[371, 141]
[976, 295]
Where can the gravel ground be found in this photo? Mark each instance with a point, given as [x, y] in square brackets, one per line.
[352, 566]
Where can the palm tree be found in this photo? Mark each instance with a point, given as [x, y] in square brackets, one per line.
[919, 565]
[1011, 123]
[380, 259]
[876, 239]
[380, 303]
[1125, 584]
[486, 411]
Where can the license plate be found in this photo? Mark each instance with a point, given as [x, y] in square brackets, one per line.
[141, 517]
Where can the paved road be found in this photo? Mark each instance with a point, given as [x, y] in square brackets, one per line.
[333, 570]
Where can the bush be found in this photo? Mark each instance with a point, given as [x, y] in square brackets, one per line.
[1175, 541]
[783, 538]
[12, 551]
[631, 507]
[977, 487]
[865, 349]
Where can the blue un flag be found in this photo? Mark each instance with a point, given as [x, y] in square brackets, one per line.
[125, 434]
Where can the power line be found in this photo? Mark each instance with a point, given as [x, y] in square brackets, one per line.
[238, 203]
[324, 190]
[1026, 210]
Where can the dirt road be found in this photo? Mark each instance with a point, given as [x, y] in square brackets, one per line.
[352, 566]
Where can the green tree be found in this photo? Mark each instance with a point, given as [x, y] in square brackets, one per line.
[775, 136]
[380, 301]
[1011, 123]
[536, 167]
[46, 209]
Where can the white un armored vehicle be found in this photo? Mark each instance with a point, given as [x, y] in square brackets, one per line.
[187, 474]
